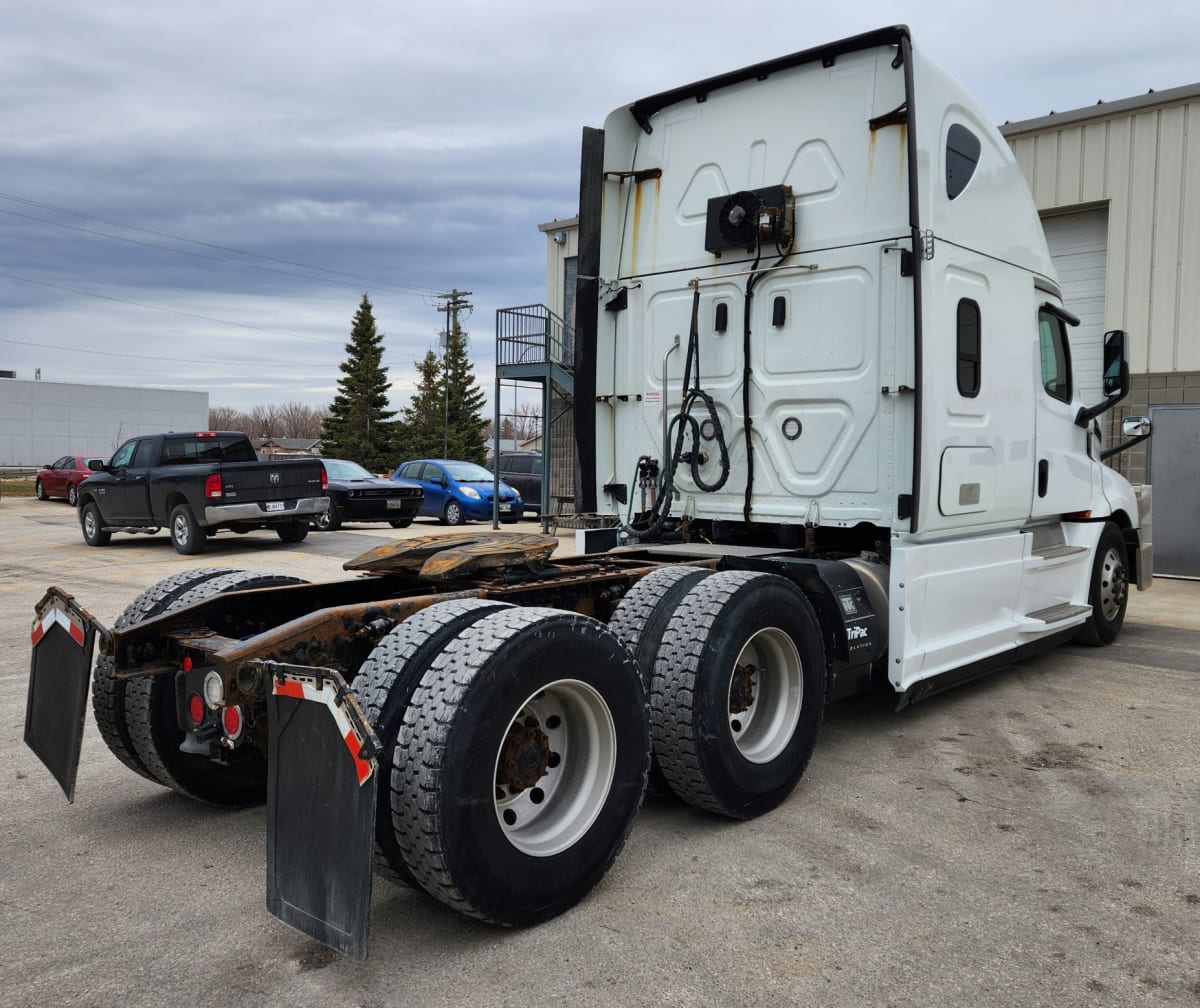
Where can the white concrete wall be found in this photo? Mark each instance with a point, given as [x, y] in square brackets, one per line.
[41, 421]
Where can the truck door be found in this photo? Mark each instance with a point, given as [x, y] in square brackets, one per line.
[1063, 472]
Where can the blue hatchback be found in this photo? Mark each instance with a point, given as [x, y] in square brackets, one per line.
[457, 492]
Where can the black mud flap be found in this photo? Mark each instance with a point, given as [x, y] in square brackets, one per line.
[63, 637]
[321, 797]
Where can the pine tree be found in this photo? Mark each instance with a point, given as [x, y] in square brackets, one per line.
[422, 421]
[359, 425]
[467, 402]
[445, 417]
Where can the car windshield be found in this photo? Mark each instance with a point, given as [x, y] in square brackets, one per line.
[468, 472]
[337, 469]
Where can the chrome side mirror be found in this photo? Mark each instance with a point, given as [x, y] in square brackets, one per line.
[1135, 426]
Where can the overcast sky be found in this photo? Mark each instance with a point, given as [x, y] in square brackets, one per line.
[196, 194]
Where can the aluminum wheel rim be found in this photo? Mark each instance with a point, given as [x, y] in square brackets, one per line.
[180, 529]
[90, 525]
[771, 663]
[550, 816]
[72, 496]
[453, 513]
[1114, 585]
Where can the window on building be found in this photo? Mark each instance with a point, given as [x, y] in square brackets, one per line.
[962, 156]
[970, 348]
[1056, 356]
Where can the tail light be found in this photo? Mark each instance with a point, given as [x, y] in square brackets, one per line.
[195, 709]
[212, 487]
[232, 722]
[324, 478]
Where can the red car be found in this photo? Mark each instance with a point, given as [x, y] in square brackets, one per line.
[62, 478]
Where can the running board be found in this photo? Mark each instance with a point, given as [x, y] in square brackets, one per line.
[1054, 556]
[1053, 617]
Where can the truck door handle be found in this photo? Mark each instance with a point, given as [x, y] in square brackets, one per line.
[1043, 476]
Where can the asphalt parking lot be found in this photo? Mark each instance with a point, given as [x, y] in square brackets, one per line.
[1032, 839]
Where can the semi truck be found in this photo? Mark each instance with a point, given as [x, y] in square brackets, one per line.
[825, 401]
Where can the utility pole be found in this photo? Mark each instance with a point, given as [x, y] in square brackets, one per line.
[454, 302]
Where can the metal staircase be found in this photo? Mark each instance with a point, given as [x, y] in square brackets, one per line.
[535, 346]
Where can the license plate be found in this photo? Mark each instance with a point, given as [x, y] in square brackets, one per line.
[275, 505]
[395, 505]
[505, 508]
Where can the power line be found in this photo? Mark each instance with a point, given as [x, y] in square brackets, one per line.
[198, 255]
[221, 248]
[172, 311]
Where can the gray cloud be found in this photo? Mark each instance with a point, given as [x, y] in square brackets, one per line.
[396, 144]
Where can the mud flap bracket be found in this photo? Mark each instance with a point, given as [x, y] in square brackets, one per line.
[321, 796]
[63, 638]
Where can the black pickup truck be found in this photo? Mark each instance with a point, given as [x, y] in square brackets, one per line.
[196, 484]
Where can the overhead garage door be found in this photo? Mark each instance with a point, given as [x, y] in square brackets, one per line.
[1079, 247]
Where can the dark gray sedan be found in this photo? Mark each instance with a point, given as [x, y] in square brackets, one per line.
[355, 495]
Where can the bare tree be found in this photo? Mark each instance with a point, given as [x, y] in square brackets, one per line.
[300, 421]
[225, 418]
[527, 422]
[264, 421]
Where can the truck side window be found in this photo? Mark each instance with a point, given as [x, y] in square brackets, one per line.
[143, 458]
[970, 349]
[1055, 355]
[962, 156]
[122, 455]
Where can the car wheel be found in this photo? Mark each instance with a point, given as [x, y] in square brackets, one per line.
[328, 521]
[453, 515]
[400, 522]
[92, 524]
[293, 532]
[40, 491]
[72, 495]
[186, 535]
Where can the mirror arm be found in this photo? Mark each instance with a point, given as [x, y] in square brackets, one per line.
[1087, 414]
[1117, 449]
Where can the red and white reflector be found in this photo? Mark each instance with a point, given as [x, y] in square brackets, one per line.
[232, 722]
[327, 695]
[58, 613]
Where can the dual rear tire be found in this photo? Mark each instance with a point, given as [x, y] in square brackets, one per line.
[516, 752]
[736, 670]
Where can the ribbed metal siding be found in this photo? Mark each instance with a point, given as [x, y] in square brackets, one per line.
[1146, 168]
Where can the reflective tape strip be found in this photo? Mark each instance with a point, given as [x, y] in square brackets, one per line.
[56, 615]
[299, 689]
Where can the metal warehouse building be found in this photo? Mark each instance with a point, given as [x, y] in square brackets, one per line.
[41, 420]
[1118, 188]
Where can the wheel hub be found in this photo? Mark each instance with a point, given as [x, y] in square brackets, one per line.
[524, 758]
[741, 689]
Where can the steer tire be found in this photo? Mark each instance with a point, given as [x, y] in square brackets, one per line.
[640, 621]
[153, 722]
[39, 491]
[186, 534]
[108, 692]
[72, 495]
[385, 683]
[92, 524]
[1109, 591]
[735, 760]
[546, 697]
